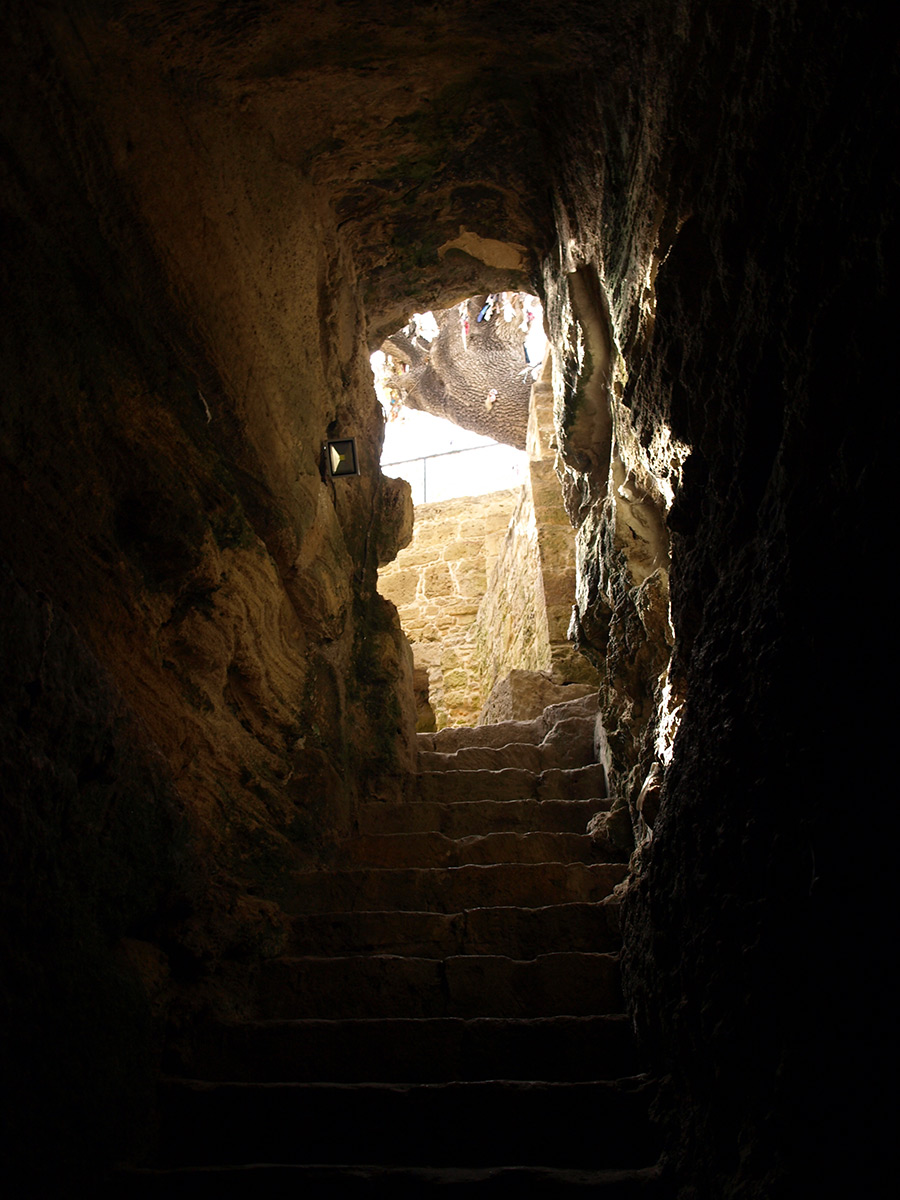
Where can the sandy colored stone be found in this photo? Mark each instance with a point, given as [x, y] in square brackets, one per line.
[522, 695]
[452, 537]
[463, 548]
[400, 588]
[559, 587]
[437, 581]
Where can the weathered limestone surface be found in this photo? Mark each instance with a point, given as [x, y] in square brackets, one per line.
[532, 729]
[521, 694]
[182, 328]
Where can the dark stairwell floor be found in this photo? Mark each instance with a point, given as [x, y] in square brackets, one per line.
[449, 1015]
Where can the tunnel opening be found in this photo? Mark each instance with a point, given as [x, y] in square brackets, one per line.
[472, 364]
[486, 587]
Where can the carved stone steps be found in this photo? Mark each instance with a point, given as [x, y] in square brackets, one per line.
[437, 850]
[449, 1015]
[411, 1050]
[567, 745]
[511, 783]
[514, 931]
[504, 732]
[400, 1183]
[484, 758]
[495, 1123]
[381, 985]
[452, 889]
[474, 817]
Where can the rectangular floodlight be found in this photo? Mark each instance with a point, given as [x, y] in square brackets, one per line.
[340, 457]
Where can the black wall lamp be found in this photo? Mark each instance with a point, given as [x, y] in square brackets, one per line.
[340, 457]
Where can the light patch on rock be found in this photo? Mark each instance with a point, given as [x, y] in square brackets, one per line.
[508, 256]
[669, 718]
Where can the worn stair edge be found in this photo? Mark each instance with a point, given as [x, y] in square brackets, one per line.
[512, 930]
[448, 889]
[495, 1123]
[557, 750]
[473, 817]
[511, 783]
[317, 1181]
[384, 985]
[501, 732]
[437, 850]
[521, 755]
[408, 1050]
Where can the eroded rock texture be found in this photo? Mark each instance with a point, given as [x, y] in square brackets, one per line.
[210, 214]
[171, 368]
[712, 261]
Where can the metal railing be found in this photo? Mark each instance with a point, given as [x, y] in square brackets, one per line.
[449, 485]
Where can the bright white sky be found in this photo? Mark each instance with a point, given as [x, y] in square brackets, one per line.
[415, 435]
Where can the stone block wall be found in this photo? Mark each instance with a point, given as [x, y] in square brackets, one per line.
[511, 627]
[523, 620]
[437, 584]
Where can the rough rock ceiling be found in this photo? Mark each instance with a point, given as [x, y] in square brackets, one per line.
[422, 122]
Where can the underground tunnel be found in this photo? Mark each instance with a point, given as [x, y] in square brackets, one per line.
[212, 215]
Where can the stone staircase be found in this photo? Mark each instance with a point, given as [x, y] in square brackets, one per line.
[449, 1013]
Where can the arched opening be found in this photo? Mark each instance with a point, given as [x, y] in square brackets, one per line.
[486, 587]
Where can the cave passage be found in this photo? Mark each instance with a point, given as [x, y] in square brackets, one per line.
[212, 215]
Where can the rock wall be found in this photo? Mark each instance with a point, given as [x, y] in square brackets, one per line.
[704, 309]
[206, 677]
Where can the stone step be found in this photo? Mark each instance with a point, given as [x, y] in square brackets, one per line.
[436, 850]
[484, 758]
[503, 732]
[474, 817]
[403, 1050]
[484, 1124]
[465, 985]
[451, 889]
[511, 783]
[513, 931]
[570, 744]
[400, 1183]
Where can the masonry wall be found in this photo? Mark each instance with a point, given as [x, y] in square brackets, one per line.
[523, 620]
[437, 584]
